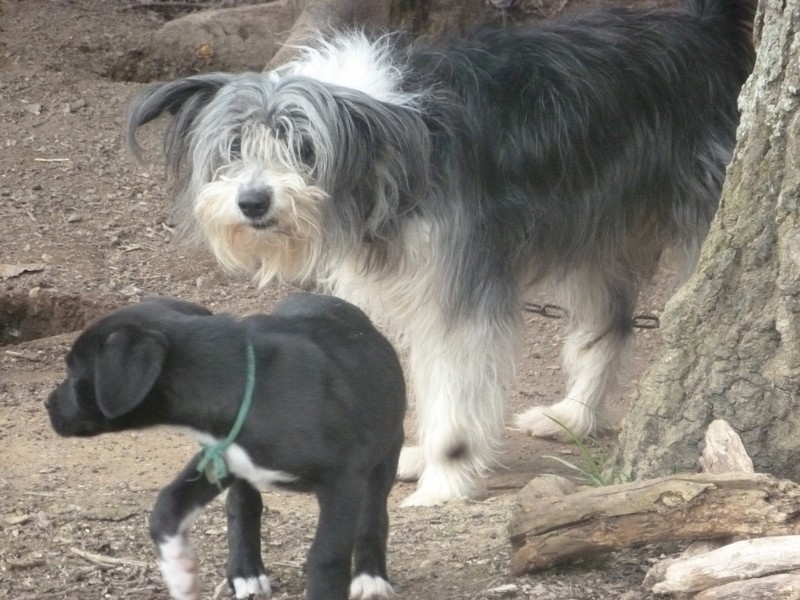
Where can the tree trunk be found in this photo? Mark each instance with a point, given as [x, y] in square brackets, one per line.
[732, 333]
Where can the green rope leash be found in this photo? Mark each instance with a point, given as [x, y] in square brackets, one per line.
[213, 463]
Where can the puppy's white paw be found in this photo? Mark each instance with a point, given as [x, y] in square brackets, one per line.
[411, 464]
[179, 568]
[258, 587]
[370, 587]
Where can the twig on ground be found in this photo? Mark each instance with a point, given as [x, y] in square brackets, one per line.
[107, 561]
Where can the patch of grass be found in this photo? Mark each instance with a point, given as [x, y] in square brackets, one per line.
[600, 468]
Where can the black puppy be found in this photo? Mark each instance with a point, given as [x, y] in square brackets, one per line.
[326, 402]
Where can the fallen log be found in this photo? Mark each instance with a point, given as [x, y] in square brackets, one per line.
[724, 452]
[548, 531]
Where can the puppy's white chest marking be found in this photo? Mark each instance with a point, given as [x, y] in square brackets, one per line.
[240, 464]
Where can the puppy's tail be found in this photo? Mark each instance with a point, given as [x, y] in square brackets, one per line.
[738, 13]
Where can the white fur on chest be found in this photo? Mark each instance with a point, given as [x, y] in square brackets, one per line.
[240, 464]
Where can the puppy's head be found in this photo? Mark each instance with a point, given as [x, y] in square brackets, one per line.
[112, 368]
[283, 169]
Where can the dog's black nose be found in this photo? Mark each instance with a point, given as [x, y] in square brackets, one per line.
[254, 202]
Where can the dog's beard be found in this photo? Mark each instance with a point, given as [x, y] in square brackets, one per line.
[285, 247]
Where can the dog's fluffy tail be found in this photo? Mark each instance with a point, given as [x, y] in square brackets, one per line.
[740, 13]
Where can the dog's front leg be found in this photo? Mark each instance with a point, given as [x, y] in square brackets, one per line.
[246, 573]
[176, 508]
[461, 370]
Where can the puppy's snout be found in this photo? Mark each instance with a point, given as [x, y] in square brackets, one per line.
[254, 202]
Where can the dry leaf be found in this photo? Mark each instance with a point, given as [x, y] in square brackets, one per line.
[8, 271]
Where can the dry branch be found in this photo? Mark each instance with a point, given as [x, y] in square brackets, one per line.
[785, 586]
[107, 561]
[741, 560]
[172, 6]
[681, 507]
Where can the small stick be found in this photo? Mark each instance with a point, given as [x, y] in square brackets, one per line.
[107, 561]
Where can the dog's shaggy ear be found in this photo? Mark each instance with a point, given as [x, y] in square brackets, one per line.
[387, 148]
[183, 99]
[371, 156]
[129, 364]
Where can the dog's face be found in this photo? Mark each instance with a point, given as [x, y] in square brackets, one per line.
[109, 372]
[112, 368]
[279, 169]
[254, 179]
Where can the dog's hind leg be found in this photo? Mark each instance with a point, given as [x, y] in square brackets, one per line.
[370, 579]
[600, 309]
[246, 574]
[461, 370]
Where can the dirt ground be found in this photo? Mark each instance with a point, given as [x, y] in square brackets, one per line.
[88, 230]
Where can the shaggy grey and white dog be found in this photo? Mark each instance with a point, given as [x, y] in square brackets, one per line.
[434, 186]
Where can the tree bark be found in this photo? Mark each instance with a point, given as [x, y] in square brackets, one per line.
[732, 333]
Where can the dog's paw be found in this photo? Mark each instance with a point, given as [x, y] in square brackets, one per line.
[179, 567]
[411, 464]
[561, 421]
[443, 483]
[247, 587]
[370, 587]
[424, 498]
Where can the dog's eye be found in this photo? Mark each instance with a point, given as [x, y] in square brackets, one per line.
[307, 154]
[236, 147]
[280, 128]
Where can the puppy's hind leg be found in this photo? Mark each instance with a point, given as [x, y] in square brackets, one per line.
[597, 342]
[370, 579]
[246, 574]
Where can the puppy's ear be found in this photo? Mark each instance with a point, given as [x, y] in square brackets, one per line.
[129, 364]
